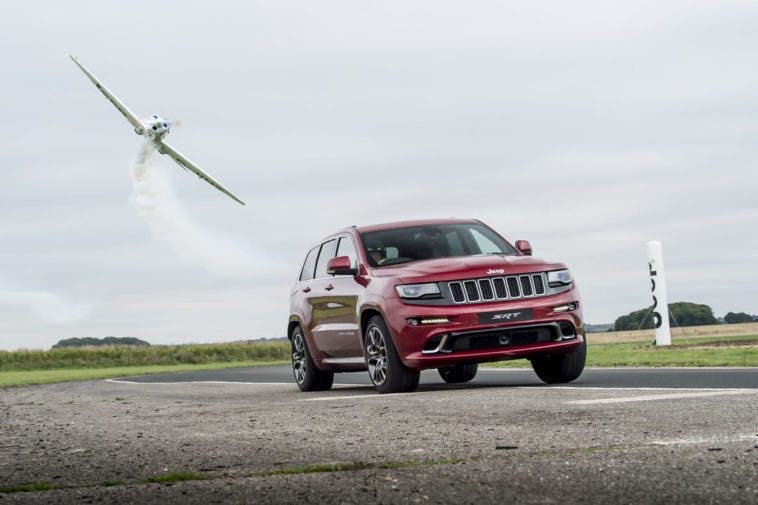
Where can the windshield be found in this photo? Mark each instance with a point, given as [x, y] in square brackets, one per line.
[402, 245]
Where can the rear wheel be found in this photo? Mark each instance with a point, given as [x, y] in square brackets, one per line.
[558, 368]
[463, 372]
[307, 376]
[386, 371]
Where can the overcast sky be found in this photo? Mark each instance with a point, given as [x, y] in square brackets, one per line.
[587, 128]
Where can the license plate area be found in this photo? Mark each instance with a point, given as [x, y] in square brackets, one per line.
[505, 316]
[503, 337]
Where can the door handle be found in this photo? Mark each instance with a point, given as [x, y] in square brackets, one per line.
[329, 287]
[306, 289]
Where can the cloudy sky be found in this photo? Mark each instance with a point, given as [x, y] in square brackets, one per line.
[587, 128]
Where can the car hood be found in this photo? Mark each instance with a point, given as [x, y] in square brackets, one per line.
[466, 267]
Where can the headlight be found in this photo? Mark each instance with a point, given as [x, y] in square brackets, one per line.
[416, 291]
[558, 278]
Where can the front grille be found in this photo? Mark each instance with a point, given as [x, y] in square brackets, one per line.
[486, 289]
[513, 288]
[472, 293]
[457, 291]
[500, 288]
[526, 285]
[490, 289]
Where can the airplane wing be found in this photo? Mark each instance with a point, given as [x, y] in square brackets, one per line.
[185, 163]
[129, 115]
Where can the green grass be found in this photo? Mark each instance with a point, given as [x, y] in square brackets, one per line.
[27, 488]
[682, 352]
[124, 356]
[316, 468]
[174, 477]
[348, 467]
[171, 478]
[60, 365]
[83, 363]
[28, 377]
[112, 483]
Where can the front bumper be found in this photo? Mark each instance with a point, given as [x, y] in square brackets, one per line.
[464, 339]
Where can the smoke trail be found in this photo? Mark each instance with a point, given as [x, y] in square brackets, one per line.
[171, 224]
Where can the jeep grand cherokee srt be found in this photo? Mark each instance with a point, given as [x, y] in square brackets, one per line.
[398, 298]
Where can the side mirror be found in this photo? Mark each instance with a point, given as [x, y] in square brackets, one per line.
[340, 266]
[524, 247]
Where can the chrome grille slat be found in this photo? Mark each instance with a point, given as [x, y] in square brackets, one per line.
[471, 290]
[526, 287]
[493, 289]
[539, 285]
[501, 291]
[486, 289]
[514, 288]
[456, 291]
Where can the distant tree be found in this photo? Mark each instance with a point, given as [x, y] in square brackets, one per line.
[738, 317]
[91, 341]
[685, 314]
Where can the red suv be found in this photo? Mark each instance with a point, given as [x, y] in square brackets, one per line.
[398, 298]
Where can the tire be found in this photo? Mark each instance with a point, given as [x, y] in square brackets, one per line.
[560, 368]
[386, 371]
[463, 372]
[307, 376]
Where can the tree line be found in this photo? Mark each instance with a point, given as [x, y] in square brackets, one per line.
[682, 314]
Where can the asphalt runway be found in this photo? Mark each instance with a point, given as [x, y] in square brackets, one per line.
[592, 377]
[247, 435]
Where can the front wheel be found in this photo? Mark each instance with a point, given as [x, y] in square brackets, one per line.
[387, 372]
[559, 368]
[307, 376]
[463, 372]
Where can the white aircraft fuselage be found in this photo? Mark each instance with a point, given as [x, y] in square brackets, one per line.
[154, 130]
[157, 128]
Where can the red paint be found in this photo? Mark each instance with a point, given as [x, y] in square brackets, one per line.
[332, 318]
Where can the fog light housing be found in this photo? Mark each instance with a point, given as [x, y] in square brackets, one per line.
[415, 321]
[566, 307]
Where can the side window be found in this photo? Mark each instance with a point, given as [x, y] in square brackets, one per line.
[328, 249]
[486, 246]
[306, 273]
[346, 248]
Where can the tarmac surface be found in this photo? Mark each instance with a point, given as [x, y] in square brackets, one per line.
[247, 435]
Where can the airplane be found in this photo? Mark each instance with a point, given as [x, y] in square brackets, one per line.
[154, 130]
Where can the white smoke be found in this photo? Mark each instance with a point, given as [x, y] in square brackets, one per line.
[170, 223]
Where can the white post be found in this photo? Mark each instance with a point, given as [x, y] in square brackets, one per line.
[658, 287]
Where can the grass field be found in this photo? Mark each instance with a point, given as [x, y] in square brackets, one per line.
[697, 351]
[26, 377]
[82, 363]
[59, 365]
[123, 356]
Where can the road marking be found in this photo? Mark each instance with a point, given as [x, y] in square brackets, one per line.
[626, 368]
[119, 381]
[625, 388]
[711, 440]
[141, 383]
[672, 396]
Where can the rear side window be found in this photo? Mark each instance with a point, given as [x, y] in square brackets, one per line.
[306, 273]
[328, 249]
[346, 248]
